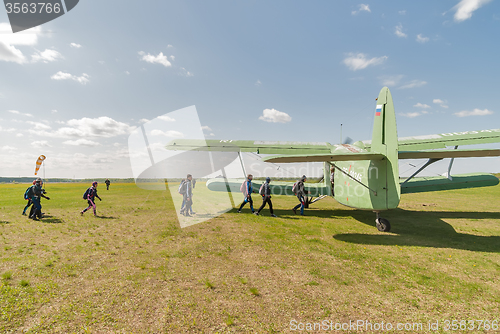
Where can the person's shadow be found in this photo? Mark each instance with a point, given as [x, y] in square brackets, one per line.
[425, 229]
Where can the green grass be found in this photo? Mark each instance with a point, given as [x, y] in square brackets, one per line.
[133, 269]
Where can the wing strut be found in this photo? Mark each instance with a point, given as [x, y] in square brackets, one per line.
[430, 161]
[449, 167]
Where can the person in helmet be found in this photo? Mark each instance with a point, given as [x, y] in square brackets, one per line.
[301, 193]
[265, 192]
[38, 192]
[90, 196]
[27, 196]
[108, 182]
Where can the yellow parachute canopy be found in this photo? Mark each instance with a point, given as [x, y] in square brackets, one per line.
[39, 163]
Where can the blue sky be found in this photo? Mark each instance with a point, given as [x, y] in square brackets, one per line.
[74, 88]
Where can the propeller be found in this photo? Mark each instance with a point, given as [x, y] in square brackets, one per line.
[347, 141]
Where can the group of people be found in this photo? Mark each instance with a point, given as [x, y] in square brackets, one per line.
[35, 192]
[33, 195]
[265, 191]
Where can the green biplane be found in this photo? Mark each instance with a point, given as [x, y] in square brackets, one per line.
[367, 172]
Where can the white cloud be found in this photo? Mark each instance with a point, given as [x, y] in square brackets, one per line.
[166, 118]
[170, 46]
[186, 73]
[402, 12]
[127, 72]
[423, 106]
[83, 79]
[53, 111]
[19, 135]
[391, 80]
[46, 56]
[7, 130]
[169, 133]
[8, 148]
[361, 8]
[258, 83]
[275, 116]
[360, 61]
[40, 144]
[38, 125]
[475, 112]
[414, 114]
[206, 128]
[399, 31]
[8, 41]
[465, 8]
[422, 39]
[15, 112]
[172, 57]
[440, 102]
[103, 126]
[75, 45]
[159, 59]
[81, 142]
[414, 84]
[143, 120]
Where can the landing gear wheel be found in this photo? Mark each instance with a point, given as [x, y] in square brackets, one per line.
[383, 225]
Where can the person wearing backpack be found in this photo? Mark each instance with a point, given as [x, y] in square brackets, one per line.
[90, 195]
[301, 193]
[108, 182]
[38, 192]
[27, 196]
[187, 194]
[265, 192]
[182, 190]
[247, 189]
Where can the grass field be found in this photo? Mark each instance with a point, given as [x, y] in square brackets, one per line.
[133, 269]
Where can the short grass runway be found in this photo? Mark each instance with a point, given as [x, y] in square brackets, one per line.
[133, 269]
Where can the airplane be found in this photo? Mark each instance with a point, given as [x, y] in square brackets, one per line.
[366, 172]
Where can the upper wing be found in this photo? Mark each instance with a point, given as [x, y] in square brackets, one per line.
[446, 139]
[441, 154]
[257, 146]
[341, 156]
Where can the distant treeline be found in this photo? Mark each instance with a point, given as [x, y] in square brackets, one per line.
[30, 179]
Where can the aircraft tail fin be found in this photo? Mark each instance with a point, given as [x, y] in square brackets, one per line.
[385, 141]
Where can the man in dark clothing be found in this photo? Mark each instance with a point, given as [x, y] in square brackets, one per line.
[108, 182]
[247, 192]
[27, 196]
[91, 194]
[301, 195]
[188, 195]
[37, 193]
[266, 198]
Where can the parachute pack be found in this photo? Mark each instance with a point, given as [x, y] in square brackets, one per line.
[86, 193]
[28, 193]
[182, 187]
[294, 188]
[262, 190]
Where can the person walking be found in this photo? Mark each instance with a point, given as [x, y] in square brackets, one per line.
[38, 192]
[108, 182]
[301, 193]
[90, 196]
[247, 192]
[265, 192]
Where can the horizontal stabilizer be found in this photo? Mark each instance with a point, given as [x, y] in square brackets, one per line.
[437, 183]
[257, 146]
[351, 156]
[441, 154]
